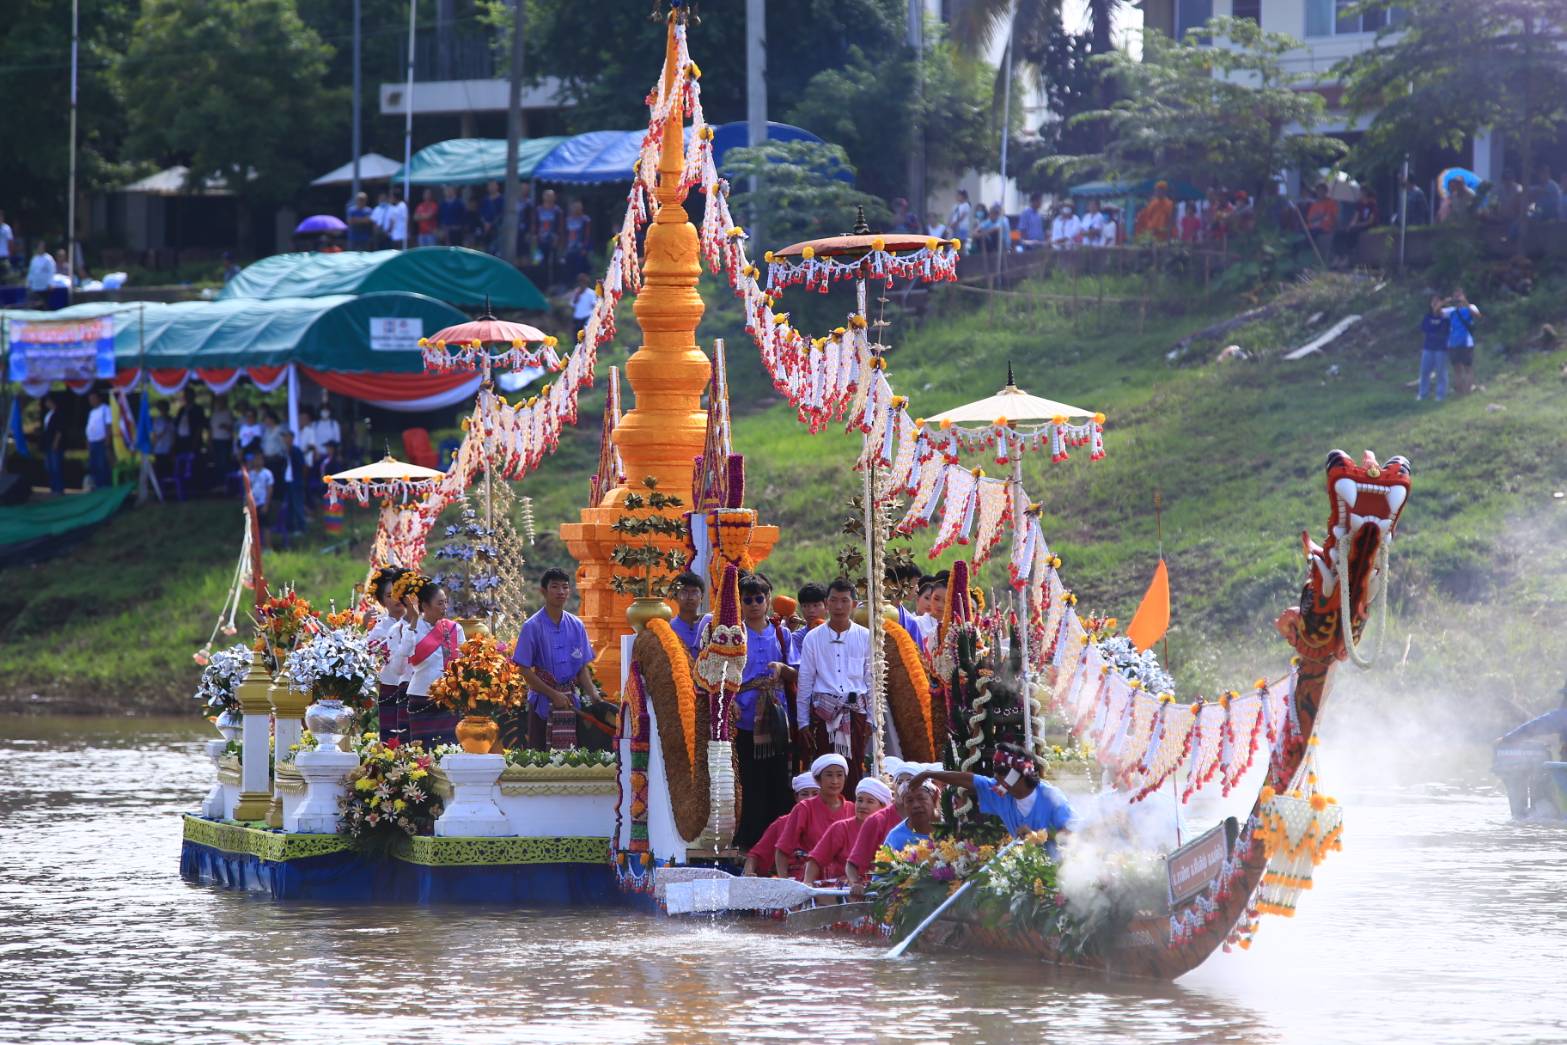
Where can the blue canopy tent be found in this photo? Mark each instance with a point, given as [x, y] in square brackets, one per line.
[607, 156]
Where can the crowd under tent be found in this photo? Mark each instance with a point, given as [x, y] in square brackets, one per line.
[365, 347]
[456, 275]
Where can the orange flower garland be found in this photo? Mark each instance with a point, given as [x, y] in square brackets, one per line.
[908, 695]
[685, 687]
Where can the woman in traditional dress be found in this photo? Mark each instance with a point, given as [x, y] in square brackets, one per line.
[831, 855]
[809, 820]
[432, 643]
[384, 636]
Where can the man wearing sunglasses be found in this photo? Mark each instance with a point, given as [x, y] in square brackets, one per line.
[762, 721]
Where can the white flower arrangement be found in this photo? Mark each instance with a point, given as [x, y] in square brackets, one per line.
[220, 679]
[336, 664]
[1141, 667]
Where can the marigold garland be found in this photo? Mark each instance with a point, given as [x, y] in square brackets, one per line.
[690, 796]
[685, 686]
[908, 695]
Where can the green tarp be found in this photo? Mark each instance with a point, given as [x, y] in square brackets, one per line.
[472, 161]
[462, 277]
[367, 333]
[25, 523]
[1178, 190]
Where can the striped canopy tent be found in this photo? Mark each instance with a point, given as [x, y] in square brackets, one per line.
[362, 346]
[456, 275]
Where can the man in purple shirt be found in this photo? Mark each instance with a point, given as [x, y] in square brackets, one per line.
[762, 725]
[688, 622]
[555, 657]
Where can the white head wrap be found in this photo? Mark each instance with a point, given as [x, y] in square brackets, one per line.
[876, 789]
[893, 766]
[802, 781]
[832, 758]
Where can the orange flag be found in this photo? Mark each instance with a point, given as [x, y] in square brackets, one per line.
[1152, 618]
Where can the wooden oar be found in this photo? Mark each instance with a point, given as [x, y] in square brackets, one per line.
[740, 894]
[903, 945]
[829, 914]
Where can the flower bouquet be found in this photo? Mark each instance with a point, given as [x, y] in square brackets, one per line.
[219, 686]
[280, 621]
[335, 665]
[389, 797]
[481, 680]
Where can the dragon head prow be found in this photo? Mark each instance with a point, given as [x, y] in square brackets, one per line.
[1365, 501]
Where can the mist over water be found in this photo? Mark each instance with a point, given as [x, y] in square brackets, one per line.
[1439, 922]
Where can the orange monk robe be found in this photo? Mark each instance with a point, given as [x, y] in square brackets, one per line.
[1157, 219]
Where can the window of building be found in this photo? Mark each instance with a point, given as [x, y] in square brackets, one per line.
[1338, 17]
[1251, 9]
[1191, 14]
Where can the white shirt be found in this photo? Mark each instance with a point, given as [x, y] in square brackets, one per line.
[386, 631]
[261, 486]
[1091, 225]
[325, 430]
[248, 433]
[6, 236]
[40, 274]
[1063, 232]
[379, 215]
[833, 662]
[307, 441]
[98, 422]
[928, 625]
[422, 676]
[397, 220]
[583, 301]
[958, 220]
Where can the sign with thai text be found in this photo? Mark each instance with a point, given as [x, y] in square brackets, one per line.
[1194, 866]
[395, 333]
[45, 351]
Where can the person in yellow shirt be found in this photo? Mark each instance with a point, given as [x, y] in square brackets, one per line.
[1157, 219]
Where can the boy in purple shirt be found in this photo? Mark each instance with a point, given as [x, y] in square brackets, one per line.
[555, 656]
[687, 624]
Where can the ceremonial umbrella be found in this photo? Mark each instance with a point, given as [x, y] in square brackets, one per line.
[320, 223]
[1008, 407]
[387, 477]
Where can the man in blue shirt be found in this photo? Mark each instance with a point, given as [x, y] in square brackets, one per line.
[361, 224]
[1461, 340]
[687, 624]
[1433, 353]
[919, 814]
[556, 658]
[1031, 223]
[1020, 799]
[761, 732]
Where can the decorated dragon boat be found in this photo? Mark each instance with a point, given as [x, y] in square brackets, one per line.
[634, 799]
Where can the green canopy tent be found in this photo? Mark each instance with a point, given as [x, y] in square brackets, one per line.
[473, 161]
[363, 346]
[456, 275]
[1105, 190]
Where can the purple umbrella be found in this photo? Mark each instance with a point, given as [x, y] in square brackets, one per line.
[320, 223]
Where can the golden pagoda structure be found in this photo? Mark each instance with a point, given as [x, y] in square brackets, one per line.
[664, 433]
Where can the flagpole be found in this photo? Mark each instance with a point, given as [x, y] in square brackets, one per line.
[1158, 522]
[70, 199]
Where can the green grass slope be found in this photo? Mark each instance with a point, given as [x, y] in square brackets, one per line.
[1235, 447]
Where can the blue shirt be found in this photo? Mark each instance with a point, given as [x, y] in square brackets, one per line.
[761, 649]
[903, 836]
[1050, 811]
[1459, 333]
[358, 233]
[690, 634]
[1435, 327]
[558, 649]
[1032, 225]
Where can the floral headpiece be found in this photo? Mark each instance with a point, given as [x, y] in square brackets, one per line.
[1007, 762]
[410, 583]
[384, 575]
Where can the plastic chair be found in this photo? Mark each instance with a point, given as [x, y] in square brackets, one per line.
[417, 448]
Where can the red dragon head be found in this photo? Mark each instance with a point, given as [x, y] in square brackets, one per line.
[1366, 501]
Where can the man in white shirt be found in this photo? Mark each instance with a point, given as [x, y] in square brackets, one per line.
[325, 430]
[7, 237]
[1091, 226]
[961, 218]
[98, 425]
[307, 434]
[40, 274]
[381, 218]
[835, 681]
[397, 220]
[583, 302]
[260, 483]
[1064, 229]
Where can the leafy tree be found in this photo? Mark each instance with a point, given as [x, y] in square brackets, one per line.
[875, 105]
[606, 55]
[35, 76]
[803, 190]
[1217, 107]
[1453, 67]
[230, 87]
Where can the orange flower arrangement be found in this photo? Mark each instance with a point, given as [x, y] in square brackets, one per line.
[481, 680]
[685, 687]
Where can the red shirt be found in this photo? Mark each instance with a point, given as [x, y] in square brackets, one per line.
[832, 852]
[872, 833]
[766, 847]
[425, 216]
[808, 821]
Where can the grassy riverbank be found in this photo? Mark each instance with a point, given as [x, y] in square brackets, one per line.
[1236, 448]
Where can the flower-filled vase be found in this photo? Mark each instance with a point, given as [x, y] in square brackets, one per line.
[329, 721]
